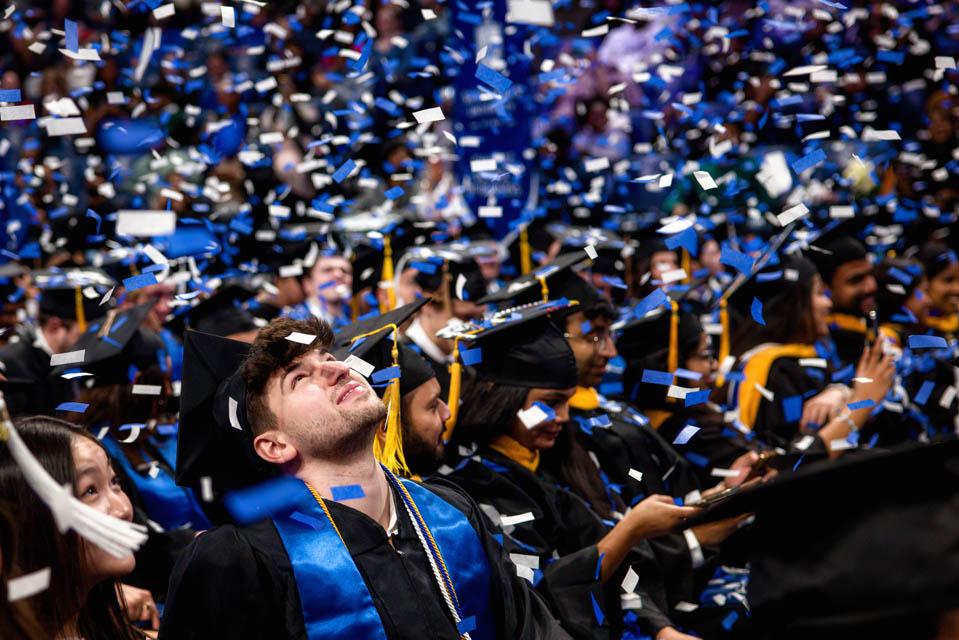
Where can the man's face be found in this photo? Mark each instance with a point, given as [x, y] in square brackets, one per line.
[331, 279]
[424, 413]
[853, 287]
[662, 262]
[592, 347]
[326, 409]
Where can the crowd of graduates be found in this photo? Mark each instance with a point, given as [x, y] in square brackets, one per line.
[266, 373]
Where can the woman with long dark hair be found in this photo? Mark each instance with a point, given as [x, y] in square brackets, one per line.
[82, 600]
[778, 389]
[941, 266]
[515, 407]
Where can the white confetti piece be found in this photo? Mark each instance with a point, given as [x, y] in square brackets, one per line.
[636, 475]
[302, 338]
[631, 581]
[601, 30]
[433, 114]
[591, 251]
[206, 489]
[86, 55]
[805, 442]
[532, 416]
[818, 363]
[146, 223]
[840, 444]
[764, 392]
[841, 211]
[490, 212]
[596, 164]
[483, 164]
[28, 585]
[705, 180]
[525, 560]
[509, 521]
[228, 17]
[164, 11]
[134, 434]
[359, 365]
[792, 214]
[665, 181]
[804, 70]
[535, 12]
[147, 389]
[674, 275]
[686, 607]
[18, 112]
[70, 357]
[65, 127]
[717, 472]
[232, 406]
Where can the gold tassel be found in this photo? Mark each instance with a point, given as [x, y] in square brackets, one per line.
[386, 276]
[723, 338]
[388, 444]
[686, 264]
[673, 336]
[453, 401]
[543, 287]
[525, 254]
[81, 316]
[355, 307]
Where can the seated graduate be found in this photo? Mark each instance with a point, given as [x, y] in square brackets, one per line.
[17, 619]
[124, 399]
[68, 300]
[340, 547]
[423, 411]
[782, 391]
[513, 409]
[941, 266]
[862, 547]
[84, 597]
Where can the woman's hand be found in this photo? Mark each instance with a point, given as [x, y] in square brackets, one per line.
[669, 633]
[655, 516]
[874, 374]
[138, 605]
[823, 407]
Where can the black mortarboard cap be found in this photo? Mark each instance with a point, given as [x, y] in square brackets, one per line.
[561, 280]
[466, 281]
[836, 245]
[377, 349]
[215, 438]
[522, 347]
[842, 547]
[115, 344]
[73, 294]
[220, 313]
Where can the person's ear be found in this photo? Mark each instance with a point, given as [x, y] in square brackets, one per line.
[274, 447]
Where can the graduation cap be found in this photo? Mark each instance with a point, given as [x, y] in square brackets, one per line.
[220, 313]
[73, 294]
[215, 438]
[556, 280]
[10, 292]
[115, 345]
[528, 240]
[835, 245]
[844, 547]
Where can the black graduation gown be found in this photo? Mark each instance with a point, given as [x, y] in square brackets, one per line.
[786, 379]
[32, 390]
[714, 446]
[848, 336]
[238, 583]
[563, 535]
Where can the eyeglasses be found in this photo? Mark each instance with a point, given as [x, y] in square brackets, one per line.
[597, 339]
[707, 354]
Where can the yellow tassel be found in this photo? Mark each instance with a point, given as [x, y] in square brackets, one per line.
[355, 307]
[456, 378]
[81, 316]
[686, 264]
[388, 444]
[525, 254]
[386, 276]
[673, 336]
[723, 338]
[543, 287]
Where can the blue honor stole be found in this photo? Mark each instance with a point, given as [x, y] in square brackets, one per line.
[335, 600]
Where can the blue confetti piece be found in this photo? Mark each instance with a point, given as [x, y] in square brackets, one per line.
[655, 299]
[730, 620]
[424, 267]
[700, 461]
[345, 169]
[493, 78]
[72, 39]
[738, 261]
[471, 357]
[274, 497]
[651, 376]
[358, 342]
[892, 57]
[385, 375]
[600, 421]
[599, 565]
[757, 311]
[394, 193]
[792, 408]
[696, 397]
[112, 342]
[900, 275]
[927, 342]
[686, 374]
[862, 404]
[809, 161]
[10, 95]
[597, 610]
[684, 436]
[922, 396]
[310, 521]
[347, 492]
[466, 625]
[78, 407]
[138, 282]
[585, 327]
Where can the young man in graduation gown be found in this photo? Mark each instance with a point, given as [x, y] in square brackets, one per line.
[69, 300]
[352, 551]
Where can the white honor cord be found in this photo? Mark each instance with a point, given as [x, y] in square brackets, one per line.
[436, 570]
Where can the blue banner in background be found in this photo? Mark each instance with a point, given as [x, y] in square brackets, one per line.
[491, 112]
